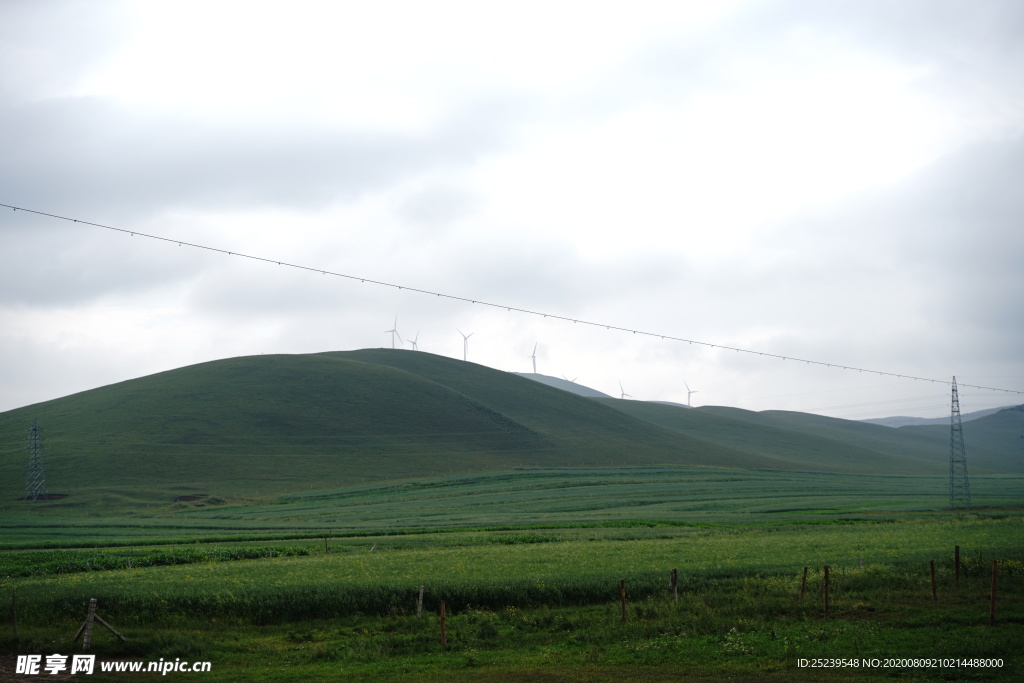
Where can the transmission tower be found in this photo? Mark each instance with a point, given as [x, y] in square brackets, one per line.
[35, 482]
[959, 487]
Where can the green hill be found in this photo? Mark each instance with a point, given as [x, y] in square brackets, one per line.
[994, 442]
[262, 425]
[269, 424]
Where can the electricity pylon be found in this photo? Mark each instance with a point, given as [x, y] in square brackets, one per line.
[959, 487]
[35, 481]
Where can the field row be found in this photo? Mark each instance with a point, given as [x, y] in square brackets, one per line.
[543, 496]
[566, 567]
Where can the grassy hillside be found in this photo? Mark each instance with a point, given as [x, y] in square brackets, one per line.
[829, 444]
[252, 427]
[992, 442]
[270, 424]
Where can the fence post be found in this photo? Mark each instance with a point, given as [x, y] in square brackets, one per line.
[935, 596]
[803, 584]
[90, 616]
[992, 600]
[87, 626]
[674, 583]
[826, 589]
[622, 592]
[444, 627]
[419, 604]
[956, 562]
[327, 548]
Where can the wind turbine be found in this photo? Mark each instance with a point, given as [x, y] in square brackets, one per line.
[573, 380]
[624, 394]
[533, 357]
[465, 344]
[394, 333]
[689, 392]
[413, 341]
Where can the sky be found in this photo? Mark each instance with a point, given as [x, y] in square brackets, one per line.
[828, 180]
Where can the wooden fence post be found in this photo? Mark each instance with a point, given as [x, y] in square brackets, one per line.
[91, 616]
[444, 627]
[826, 589]
[622, 592]
[935, 596]
[992, 600]
[674, 584]
[956, 562]
[419, 604]
[803, 584]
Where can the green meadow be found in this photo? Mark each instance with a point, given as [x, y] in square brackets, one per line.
[278, 516]
[325, 584]
[532, 603]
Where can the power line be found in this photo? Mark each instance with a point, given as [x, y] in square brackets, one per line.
[515, 309]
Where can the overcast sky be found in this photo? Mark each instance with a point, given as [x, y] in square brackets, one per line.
[828, 180]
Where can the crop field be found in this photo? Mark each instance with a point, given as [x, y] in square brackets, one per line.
[296, 589]
[544, 496]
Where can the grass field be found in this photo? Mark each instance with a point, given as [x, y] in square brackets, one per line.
[546, 603]
[528, 563]
[277, 516]
[527, 497]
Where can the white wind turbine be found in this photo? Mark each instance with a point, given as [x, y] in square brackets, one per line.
[624, 394]
[533, 357]
[573, 380]
[689, 392]
[394, 333]
[413, 341]
[465, 344]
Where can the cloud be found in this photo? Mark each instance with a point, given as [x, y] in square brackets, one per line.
[86, 153]
[834, 180]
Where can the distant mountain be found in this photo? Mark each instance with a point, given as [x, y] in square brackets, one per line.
[902, 421]
[995, 443]
[564, 385]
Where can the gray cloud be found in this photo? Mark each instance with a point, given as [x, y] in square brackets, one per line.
[918, 275]
[87, 154]
[44, 53]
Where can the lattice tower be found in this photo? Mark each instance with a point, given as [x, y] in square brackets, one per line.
[35, 481]
[959, 486]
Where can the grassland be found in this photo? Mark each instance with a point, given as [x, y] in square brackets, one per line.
[531, 585]
[261, 426]
[529, 603]
[322, 491]
[677, 495]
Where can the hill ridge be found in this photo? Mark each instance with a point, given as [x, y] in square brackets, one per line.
[257, 425]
